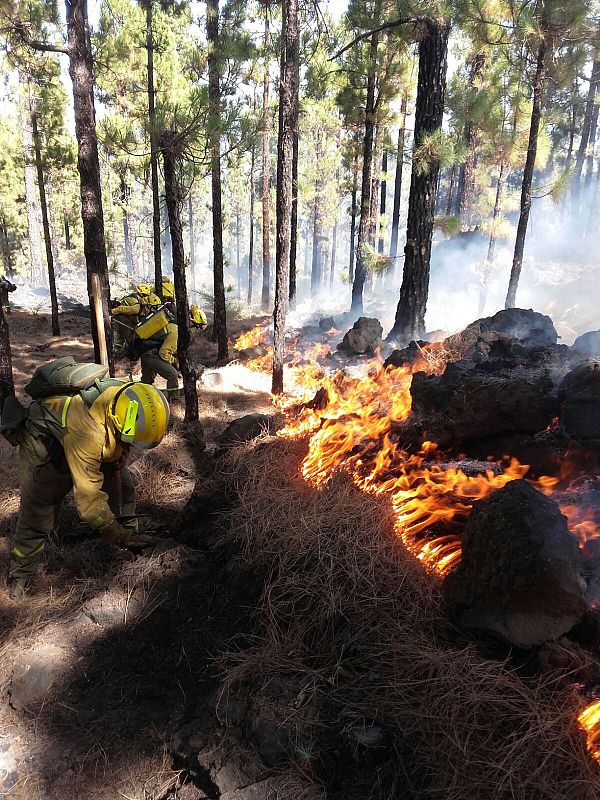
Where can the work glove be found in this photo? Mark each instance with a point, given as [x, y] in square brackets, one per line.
[116, 533]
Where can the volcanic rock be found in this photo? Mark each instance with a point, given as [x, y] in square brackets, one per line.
[327, 323]
[248, 427]
[408, 355]
[363, 337]
[588, 344]
[470, 402]
[580, 401]
[528, 326]
[521, 573]
[34, 674]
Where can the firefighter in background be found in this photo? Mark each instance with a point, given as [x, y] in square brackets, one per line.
[128, 312]
[159, 356]
[5, 287]
[80, 443]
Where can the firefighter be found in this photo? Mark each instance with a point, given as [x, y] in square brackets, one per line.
[71, 442]
[160, 354]
[5, 287]
[128, 311]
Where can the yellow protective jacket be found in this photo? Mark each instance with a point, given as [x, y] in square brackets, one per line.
[89, 440]
[129, 305]
[168, 348]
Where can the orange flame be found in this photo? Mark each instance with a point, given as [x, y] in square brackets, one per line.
[589, 722]
[255, 337]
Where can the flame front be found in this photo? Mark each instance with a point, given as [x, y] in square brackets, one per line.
[355, 426]
[255, 337]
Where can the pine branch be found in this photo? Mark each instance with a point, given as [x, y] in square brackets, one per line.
[386, 26]
[18, 27]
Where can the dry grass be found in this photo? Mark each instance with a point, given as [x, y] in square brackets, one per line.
[351, 613]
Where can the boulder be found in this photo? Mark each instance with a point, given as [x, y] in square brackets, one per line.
[327, 323]
[579, 396]
[363, 337]
[470, 402]
[521, 577]
[528, 326]
[248, 427]
[405, 357]
[588, 344]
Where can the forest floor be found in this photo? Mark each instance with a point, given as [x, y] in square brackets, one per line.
[277, 645]
[111, 654]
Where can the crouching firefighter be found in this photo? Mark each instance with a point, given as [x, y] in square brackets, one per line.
[76, 434]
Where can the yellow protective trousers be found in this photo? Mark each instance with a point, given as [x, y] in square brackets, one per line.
[44, 485]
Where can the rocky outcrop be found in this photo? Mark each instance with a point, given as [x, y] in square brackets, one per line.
[588, 344]
[580, 401]
[521, 577]
[528, 326]
[363, 337]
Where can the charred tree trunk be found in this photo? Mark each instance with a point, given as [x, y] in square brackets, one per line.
[382, 201]
[153, 149]
[214, 101]
[353, 217]
[589, 171]
[536, 115]
[7, 386]
[410, 314]
[466, 183]
[192, 235]
[237, 252]
[315, 273]
[398, 182]
[45, 223]
[173, 195]
[294, 222]
[251, 246]
[88, 164]
[32, 200]
[266, 179]
[485, 283]
[124, 189]
[288, 100]
[367, 169]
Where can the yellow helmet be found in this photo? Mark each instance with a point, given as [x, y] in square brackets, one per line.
[140, 413]
[197, 317]
[153, 300]
[168, 290]
[144, 289]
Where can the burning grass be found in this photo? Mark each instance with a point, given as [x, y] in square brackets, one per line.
[355, 614]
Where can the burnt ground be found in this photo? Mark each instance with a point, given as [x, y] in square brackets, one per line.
[112, 654]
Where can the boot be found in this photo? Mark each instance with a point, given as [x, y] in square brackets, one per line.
[17, 588]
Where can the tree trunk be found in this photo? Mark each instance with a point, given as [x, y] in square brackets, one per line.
[449, 201]
[536, 115]
[214, 136]
[333, 252]
[45, 224]
[398, 183]
[266, 178]
[173, 195]
[7, 386]
[492, 242]
[156, 225]
[124, 189]
[288, 99]
[251, 246]
[237, 252]
[66, 226]
[375, 184]
[353, 217]
[192, 236]
[591, 146]
[367, 169]
[466, 182]
[587, 122]
[410, 314]
[383, 183]
[315, 273]
[88, 164]
[32, 200]
[165, 242]
[294, 223]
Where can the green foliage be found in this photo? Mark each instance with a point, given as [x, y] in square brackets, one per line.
[448, 225]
